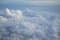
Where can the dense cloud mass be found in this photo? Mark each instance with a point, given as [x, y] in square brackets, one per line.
[29, 25]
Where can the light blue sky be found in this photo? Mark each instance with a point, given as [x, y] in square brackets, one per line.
[31, 2]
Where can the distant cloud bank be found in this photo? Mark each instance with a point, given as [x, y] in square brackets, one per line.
[32, 2]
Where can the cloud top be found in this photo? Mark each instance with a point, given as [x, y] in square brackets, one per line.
[16, 26]
[14, 13]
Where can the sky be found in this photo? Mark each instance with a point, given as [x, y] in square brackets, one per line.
[31, 2]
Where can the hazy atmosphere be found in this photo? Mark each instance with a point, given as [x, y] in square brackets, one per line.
[29, 19]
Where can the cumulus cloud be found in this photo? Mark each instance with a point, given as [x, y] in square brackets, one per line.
[14, 13]
[15, 26]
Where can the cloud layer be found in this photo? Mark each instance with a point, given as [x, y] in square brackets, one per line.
[32, 2]
[29, 25]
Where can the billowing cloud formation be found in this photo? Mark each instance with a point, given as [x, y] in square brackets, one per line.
[31, 25]
[14, 13]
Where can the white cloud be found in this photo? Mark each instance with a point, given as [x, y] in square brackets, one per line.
[3, 19]
[29, 10]
[8, 11]
[42, 17]
[28, 28]
[14, 13]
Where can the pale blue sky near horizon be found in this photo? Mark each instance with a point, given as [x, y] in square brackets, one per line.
[50, 5]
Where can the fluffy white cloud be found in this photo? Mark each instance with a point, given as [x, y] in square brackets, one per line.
[15, 26]
[14, 13]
